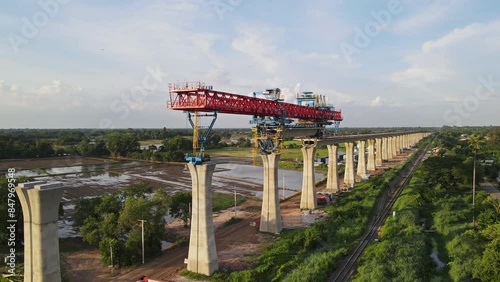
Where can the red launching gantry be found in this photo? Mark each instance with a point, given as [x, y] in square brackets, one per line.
[272, 117]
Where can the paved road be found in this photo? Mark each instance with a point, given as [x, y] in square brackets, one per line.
[488, 187]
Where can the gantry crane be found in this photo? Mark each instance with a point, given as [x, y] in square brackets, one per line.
[273, 119]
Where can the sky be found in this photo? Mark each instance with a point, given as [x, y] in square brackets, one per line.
[387, 63]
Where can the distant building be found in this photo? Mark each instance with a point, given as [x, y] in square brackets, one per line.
[464, 137]
[324, 160]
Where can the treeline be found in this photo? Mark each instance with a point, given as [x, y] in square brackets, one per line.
[115, 143]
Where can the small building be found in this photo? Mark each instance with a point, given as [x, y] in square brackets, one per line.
[324, 159]
[464, 137]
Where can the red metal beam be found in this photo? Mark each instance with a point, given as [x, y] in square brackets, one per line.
[205, 99]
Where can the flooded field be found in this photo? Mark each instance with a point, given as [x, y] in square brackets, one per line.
[84, 177]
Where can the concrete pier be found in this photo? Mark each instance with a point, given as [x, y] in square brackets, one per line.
[202, 257]
[378, 155]
[349, 177]
[390, 151]
[395, 146]
[308, 197]
[370, 163]
[270, 216]
[361, 170]
[40, 203]
[332, 181]
[385, 147]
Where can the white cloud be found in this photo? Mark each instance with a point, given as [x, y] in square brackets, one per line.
[424, 15]
[452, 59]
[461, 35]
[260, 43]
[377, 102]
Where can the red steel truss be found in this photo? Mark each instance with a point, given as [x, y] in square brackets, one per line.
[201, 98]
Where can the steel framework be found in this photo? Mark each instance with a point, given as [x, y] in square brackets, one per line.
[272, 117]
[196, 97]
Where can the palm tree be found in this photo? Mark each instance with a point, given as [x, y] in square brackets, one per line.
[475, 143]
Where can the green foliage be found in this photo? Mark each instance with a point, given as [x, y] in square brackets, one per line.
[221, 201]
[114, 220]
[450, 172]
[180, 206]
[403, 253]
[121, 144]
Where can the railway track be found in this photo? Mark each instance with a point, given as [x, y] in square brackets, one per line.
[346, 269]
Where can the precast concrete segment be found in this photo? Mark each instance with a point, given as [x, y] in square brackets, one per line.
[385, 147]
[270, 216]
[308, 197]
[202, 256]
[370, 163]
[378, 155]
[349, 177]
[361, 170]
[40, 202]
[22, 193]
[332, 182]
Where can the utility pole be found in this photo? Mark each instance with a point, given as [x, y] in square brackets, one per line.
[283, 187]
[142, 228]
[234, 203]
[474, 192]
[111, 253]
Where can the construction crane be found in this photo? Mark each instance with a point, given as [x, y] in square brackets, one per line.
[273, 119]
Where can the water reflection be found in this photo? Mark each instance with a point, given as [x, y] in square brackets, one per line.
[292, 179]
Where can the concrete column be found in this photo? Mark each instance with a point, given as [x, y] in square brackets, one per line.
[385, 154]
[370, 164]
[378, 155]
[361, 171]
[308, 197]
[349, 177]
[389, 149]
[332, 182]
[394, 146]
[270, 216]
[22, 193]
[396, 138]
[40, 203]
[202, 257]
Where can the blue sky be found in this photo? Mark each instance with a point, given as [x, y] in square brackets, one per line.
[75, 64]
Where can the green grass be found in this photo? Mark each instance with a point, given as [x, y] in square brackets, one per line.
[222, 201]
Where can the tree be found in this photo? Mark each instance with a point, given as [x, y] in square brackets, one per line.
[120, 144]
[180, 204]
[43, 149]
[113, 220]
[84, 148]
[475, 143]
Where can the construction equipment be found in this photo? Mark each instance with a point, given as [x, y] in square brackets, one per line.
[273, 119]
